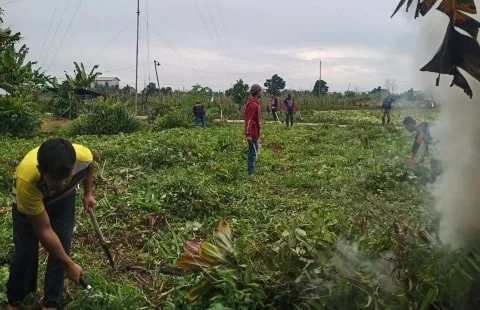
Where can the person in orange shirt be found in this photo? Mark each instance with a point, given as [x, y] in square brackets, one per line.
[43, 209]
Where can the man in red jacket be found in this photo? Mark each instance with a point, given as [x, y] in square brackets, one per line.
[251, 117]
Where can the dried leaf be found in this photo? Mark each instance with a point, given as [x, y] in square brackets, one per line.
[424, 7]
[191, 247]
[457, 50]
[402, 2]
[192, 263]
[201, 288]
[224, 228]
[223, 241]
[211, 253]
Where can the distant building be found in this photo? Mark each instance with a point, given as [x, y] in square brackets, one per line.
[107, 81]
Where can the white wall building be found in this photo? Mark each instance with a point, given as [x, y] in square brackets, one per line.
[110, 81]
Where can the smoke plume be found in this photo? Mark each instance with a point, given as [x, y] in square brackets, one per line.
[457, 191]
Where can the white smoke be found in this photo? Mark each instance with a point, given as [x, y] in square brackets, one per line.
[457, 192]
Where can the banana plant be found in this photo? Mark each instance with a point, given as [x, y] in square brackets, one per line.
[82, 79]
[204, 256]
[457, 50]
[6, 35]
[18, 75]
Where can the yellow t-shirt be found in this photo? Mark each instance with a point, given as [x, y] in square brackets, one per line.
[27, 192]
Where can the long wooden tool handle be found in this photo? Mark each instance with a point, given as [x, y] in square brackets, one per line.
[103, 243]
[95, 226]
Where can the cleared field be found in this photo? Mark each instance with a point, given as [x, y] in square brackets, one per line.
[332, 219]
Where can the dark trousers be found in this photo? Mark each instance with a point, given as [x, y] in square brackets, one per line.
[24, 265]
[252, 155]
[436, 169]
[289, 116]
[275, 115]
[200, 120]
[386, 113]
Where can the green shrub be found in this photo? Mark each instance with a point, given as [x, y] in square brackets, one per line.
[18, 119]
[172, 120]
[158, 110]
[64, 103]
[105, 119]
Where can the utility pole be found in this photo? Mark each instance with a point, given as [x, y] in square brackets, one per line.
[136, 63]
[157, 64]
[320, 79]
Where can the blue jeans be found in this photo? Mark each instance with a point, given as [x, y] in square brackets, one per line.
[200, 120]
[24, 264]
[252, 155]
[289, 117]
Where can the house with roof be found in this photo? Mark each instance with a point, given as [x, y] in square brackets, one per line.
[107, 81]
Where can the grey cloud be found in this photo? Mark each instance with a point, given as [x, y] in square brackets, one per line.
[252, 40]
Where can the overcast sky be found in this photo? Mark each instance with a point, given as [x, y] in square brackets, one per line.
[215, 42]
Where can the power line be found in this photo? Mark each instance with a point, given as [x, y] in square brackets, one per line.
[124, 68]
[66, 32]
[213, 23]
[227, 38]
[148, 40]
[215, 45]
[49, 28]
[10, 2]
[111, 40]
[56, 30]
[180, 56]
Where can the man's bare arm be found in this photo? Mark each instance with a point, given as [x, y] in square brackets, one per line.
[88, 181]
[49, 239]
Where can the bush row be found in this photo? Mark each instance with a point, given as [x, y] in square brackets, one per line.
[22, 119]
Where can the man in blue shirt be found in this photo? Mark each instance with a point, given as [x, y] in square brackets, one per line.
[386, 109]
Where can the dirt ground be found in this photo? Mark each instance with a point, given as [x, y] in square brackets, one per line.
[49, 123]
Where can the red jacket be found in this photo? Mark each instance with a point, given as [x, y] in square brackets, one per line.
[251, 117]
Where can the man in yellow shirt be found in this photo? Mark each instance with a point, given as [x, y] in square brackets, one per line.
[43, 209]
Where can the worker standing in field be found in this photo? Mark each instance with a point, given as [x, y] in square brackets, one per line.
[289, 108]
[43, 209]
[423, 136]
[199, 111]
[251, 118]
[274, 107]
[387, 109]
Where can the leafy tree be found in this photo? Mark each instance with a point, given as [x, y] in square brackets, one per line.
[166, 90]
[350, 94]
[6, 35]
[457, 50]
[201, 93]
[128, 90]
[238, 93]
[150, 89]
[199, 89]
[377, 90]
[16, 74]
[82, 79]
[323, 88]
[275, 85]
[378, 93]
